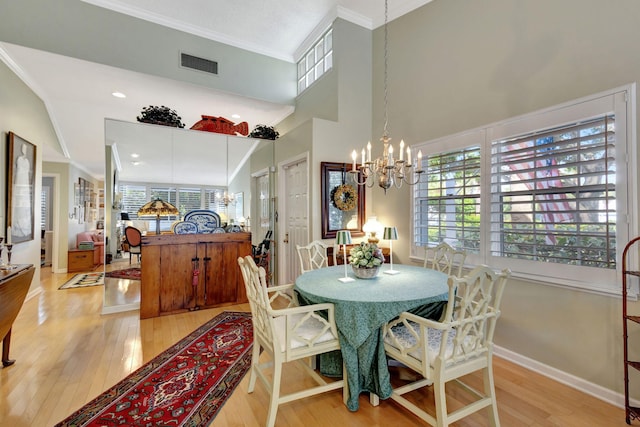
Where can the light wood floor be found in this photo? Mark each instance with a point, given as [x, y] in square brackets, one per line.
[67, 353]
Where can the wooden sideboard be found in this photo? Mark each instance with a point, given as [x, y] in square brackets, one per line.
[14, 285]
[183, 272]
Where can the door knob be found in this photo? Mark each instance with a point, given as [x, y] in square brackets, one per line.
[286, 238]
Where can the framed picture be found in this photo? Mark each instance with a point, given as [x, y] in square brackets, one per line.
[342, 200]
[21, 175]
[239, 199]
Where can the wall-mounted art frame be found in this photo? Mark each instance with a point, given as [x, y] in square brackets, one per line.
[239, 201]
[343, 200]
[21, 174]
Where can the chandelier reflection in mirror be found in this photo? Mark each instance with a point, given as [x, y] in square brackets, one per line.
[225, 198]
[387, 171]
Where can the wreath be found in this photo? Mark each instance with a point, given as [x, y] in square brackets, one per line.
[344, 197]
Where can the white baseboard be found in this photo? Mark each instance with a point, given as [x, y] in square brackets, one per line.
[597, 391]
[120, 308]
[33, 293]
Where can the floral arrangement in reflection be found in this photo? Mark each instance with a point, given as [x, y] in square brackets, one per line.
[366, 255]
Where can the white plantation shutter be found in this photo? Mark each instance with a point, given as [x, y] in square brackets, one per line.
[550, 194]
[553, 195]
[447, 207]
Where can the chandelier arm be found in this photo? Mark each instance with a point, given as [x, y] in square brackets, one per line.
[356, 174]
[417, 174]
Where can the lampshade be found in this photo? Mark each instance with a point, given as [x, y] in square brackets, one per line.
[373, 227]
[124, 216]
[158, 208]
[343, 237]
[390, 233]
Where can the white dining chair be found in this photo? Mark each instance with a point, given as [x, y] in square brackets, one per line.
[444, 351]
[444, 258]
[287, 335]
[312, 256]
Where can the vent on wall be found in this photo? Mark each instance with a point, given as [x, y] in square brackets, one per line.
[201, 64]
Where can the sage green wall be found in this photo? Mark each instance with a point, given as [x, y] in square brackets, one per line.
[457, 64]
[333, 115]
[81, 30]
[23, 113]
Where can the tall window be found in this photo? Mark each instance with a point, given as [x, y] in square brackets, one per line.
[317, 61]
[554, 195]
[539, 194]
[133, 197]
[448, 204]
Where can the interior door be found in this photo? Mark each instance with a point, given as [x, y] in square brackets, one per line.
[296, 214]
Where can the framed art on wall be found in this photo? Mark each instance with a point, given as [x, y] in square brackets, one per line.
[21, 157]
[342, 200]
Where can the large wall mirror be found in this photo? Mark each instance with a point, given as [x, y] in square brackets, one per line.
[185, 167]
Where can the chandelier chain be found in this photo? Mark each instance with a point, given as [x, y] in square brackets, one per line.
[385, 132]
[387, 171]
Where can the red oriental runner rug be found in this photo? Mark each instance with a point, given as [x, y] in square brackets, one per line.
[128, 273]
[185, 385]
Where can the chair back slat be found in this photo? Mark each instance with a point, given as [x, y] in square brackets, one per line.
[256, 289]
[444, 258]
[312, 256]
[474, 316]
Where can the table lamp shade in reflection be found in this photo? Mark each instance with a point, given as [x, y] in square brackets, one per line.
[390, 234]
[343, 237]
[158, 208]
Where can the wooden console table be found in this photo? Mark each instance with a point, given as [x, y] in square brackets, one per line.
[183, 272]
[14, 286]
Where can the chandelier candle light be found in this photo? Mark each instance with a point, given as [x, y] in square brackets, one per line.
[390, 234]
[158, 208]
[343, 237]
[386, 170]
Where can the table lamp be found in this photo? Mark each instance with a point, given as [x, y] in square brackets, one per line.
[157, 208]
[390, 234]
[372, 227]
[343, 237]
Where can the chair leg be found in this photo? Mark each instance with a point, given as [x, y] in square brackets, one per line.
[441, 403]
[489, 390]
[255, 360]
[275, 395]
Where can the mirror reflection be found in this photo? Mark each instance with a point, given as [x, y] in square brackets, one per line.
[192, 170]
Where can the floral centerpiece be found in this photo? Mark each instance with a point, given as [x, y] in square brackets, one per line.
[366, 258]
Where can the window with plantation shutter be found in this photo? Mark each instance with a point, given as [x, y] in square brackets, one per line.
[551, 195]
[447, 207]
[554, 195]
[134, 196]
[189, 199]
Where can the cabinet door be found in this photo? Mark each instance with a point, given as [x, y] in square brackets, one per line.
[176, 265]
[222, 270]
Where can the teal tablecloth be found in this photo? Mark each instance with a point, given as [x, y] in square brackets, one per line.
[362, 307]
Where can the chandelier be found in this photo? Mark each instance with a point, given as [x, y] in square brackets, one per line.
[386, 170]
[225, 198]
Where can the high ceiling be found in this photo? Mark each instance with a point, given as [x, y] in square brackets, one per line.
[74, 90]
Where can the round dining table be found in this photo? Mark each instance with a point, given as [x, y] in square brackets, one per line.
[362, 307]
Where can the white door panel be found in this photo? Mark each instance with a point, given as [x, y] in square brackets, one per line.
[296, 214]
